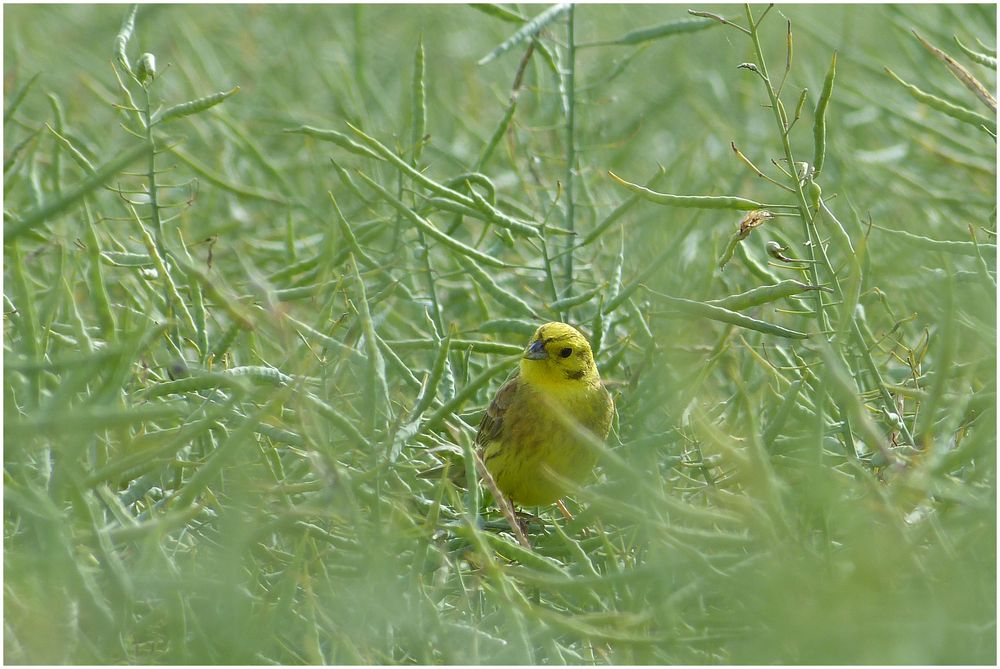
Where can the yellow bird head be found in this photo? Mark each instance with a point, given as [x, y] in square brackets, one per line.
[558, 355]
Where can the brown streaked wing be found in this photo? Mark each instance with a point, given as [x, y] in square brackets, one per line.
[492, 423]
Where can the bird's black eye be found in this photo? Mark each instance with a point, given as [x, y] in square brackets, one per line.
[566, 352]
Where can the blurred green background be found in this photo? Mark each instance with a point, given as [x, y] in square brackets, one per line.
[211, 445]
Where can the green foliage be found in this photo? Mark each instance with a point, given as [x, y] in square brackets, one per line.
[233, 341]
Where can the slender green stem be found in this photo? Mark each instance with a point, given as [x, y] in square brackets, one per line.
[802, 203]
[546, 258]
[569, 100]
[807, 214]
[154, 214]
[425, 251]
[154, 206]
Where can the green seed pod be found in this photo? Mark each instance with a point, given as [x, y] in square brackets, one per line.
[597, 327]
[664, 30]
[819, 121]
[124, 35]
[981, 58]
[574, 300]
[815, 193]
[721, 314]
[959, 112]
[338, 138]
[763, 295]
[429, 390]
[694, 201]
[147, 67]
[801, 103]
[776, 250]
[194, 106]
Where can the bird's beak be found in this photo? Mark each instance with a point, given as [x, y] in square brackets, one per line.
[536, 351]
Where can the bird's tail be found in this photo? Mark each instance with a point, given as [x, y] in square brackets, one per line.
[451, 469]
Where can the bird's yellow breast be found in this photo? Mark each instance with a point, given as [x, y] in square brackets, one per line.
[540, 438]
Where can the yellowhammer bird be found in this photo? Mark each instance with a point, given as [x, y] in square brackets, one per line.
[531, 428]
